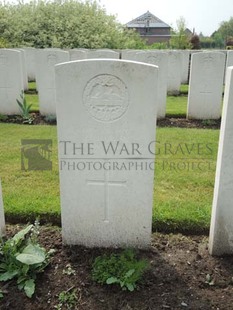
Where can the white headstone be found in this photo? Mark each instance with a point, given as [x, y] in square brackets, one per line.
[76, 54]
[30, 53]
[24, 68]
[159, 59]
[174, 72]
[45, 77]
[106, 125]
[129, 54]
[2, 216]
[205, 85]
[185, 66]
[11, 80]
[221, 229]
[102, 54]
[229, 60]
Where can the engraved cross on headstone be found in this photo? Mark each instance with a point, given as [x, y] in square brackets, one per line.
[106, 183]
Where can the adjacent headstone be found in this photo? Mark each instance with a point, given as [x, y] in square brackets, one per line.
[91, 54]
[45, 78]
[2, 216]
[30, 53]
[159, 59]
[76, 54]
[229, 60]
[221, 229]
[129, 54]
[205, 85]
[106, 124]
[185, 66]
[11, 81]
[24, 68]
[174, 72]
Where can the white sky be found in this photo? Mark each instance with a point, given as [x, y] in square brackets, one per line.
[203, 15]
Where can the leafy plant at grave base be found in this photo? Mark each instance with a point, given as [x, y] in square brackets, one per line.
[3, 117]
[67, 298]
[122, 269]
[25, 109]
[208, 122]
[22, 258]
[50, 118]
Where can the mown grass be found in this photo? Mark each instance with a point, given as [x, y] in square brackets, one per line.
[27, 193]
[176, 106]
[33, 99]
[182, 197]
[184, 89]
[184, 179]
[32, 85]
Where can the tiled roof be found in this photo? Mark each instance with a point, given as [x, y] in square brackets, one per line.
[147, 20]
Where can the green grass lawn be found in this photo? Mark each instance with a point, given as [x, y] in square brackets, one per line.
[182, 197]
[32, 99]
[176, 106]
[32, 85]
[184, 178]
[184, 89]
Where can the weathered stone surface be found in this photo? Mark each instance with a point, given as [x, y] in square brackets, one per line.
[106, 124]
[221, 229]
[205, 85]
[11, 81]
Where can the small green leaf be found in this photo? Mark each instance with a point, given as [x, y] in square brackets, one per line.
[32, 254]
[112, 280]
[21, 234]
[19, 103]
[130, 287]
[129, 273]
[21, 280]
[29, 287]
[8, 275]
[21, 285]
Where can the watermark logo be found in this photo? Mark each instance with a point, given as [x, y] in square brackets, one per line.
[36, 154]
[136, 156]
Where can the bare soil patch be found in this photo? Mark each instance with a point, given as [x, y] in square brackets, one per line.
[179, 277]
[39, 119]
[189, 123]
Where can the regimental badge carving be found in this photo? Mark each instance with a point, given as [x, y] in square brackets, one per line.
[52, 60]
[106, 98]
[154, 60]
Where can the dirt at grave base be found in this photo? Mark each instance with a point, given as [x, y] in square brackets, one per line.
[38, 119]
[177, 278]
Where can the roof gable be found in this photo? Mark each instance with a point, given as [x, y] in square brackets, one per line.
[147, 20]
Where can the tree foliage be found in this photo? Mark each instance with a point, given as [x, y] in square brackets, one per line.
[195, 42]
[180, 39]
[226, 29]
[223, 35]
[63, 24]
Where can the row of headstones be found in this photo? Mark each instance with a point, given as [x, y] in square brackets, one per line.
[106, 139]
[206, 77]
